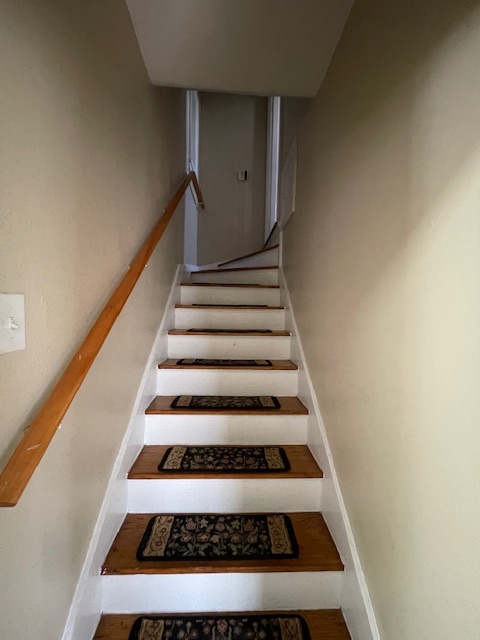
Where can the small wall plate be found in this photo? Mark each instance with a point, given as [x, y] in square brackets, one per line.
[12, 322]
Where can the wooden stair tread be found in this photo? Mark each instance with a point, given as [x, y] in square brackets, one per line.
[289, 405]
[302, 465]
[326, 624]
[249, 255]
[244, 307]
[317, 552]
[277, 365]
[233, 269]
[211, 332]
[231, 285]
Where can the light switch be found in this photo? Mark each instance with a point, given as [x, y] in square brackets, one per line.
[12, 322]
[242, 175]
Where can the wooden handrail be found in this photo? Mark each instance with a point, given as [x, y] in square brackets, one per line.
[26, 457]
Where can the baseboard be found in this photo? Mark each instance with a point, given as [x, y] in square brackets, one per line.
[87, 604]
[355, 600]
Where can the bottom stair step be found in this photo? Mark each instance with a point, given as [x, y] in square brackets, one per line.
[322, 624]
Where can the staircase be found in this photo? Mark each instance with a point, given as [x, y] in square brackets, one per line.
[230, 313]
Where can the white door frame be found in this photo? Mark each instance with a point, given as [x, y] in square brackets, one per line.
[193, 131]
[192, 161]
[273, 161]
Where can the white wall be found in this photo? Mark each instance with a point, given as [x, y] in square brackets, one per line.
[233, 133]
[382, 262]
[90, 154]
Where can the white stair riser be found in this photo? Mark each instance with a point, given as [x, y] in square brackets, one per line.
[224, 495]
[265, 276]
[226, 382]
[230, 319]
[229, 295]
[208, 346]
[225, 429]
[222, 592]
[267, 259]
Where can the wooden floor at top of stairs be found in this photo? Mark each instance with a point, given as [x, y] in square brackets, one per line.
[317, 552]
[289, 405]
[249, 255]
[277, 365]
[326, 624]
[194, 273]
[145, 467]
[240, 332]
[230, 284]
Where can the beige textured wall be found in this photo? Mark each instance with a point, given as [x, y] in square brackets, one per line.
[382, 258]
[90, 153]
[233, 134]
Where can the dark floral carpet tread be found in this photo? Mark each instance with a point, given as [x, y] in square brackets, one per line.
[211, 362]
[218, 537]
[234, 306]
[243, 285]
[229, 330]
[216, 627]
[224, 459]
[212, 403]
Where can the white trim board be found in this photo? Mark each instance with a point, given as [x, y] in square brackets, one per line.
[355, 599]
[273, 161]
[87, 604]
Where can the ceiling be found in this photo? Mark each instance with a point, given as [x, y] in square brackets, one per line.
[267, 47]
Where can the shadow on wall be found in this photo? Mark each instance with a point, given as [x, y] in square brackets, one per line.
[381, 259]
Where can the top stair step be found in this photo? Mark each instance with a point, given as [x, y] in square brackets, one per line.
[264, 257]
[234, 269]
[247, 275]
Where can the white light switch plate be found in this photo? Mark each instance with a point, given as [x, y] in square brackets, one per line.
[12, 322]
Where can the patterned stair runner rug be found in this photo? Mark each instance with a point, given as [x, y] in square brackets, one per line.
[218, 537]
[212, 362]
[224, 459]
[219, 403]
[235, 306]
[229, 330]
[218, 627]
